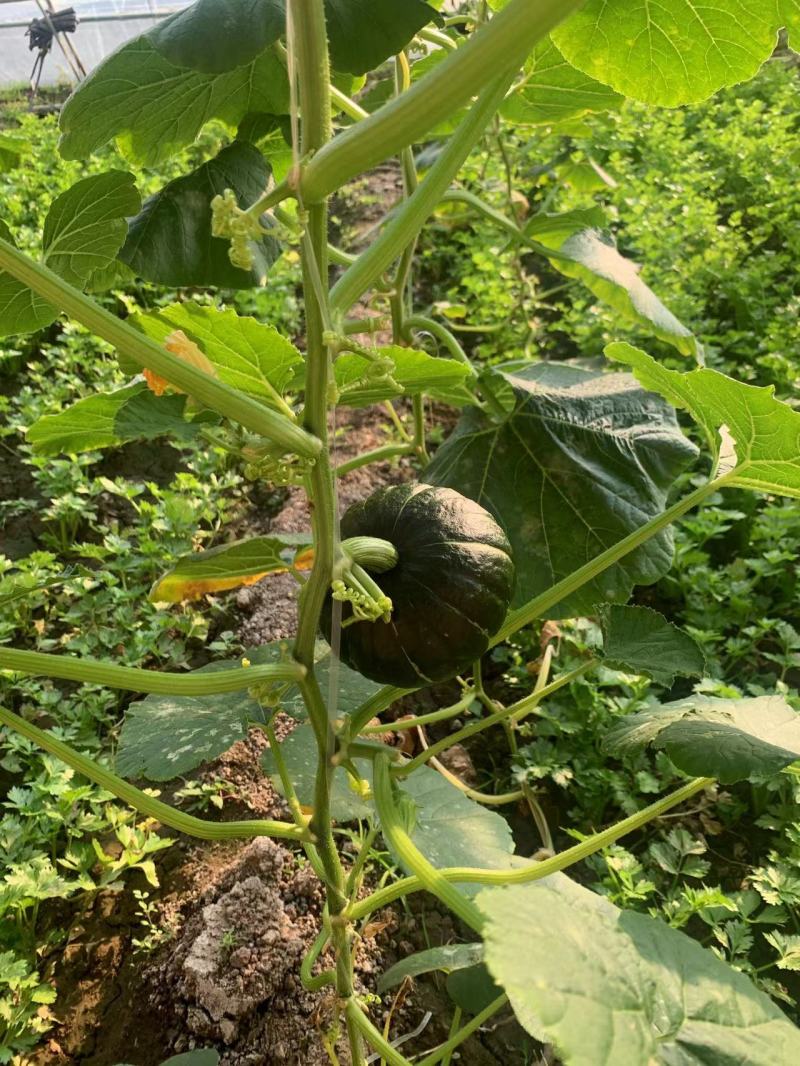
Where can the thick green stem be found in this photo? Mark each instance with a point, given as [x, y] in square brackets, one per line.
[537, 870]
[96, 672]
[147, 354]
[501, 44]
[373, 552]
[409, 854]
[140, 801]
[405, 225]
[377, 455]
[308, 38]
[373, 1035]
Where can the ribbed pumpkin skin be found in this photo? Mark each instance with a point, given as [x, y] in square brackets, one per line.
[450, 589]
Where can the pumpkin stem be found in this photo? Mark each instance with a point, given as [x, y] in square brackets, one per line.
[354, 585]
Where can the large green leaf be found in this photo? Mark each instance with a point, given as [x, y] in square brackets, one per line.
[612, 987]
[671, 53]
[113, 418]
[641, 641]
[363, 33]
[764, 432]
[164, 737]
[21, 310]
[414, 373]
[581, 460]
[170, 240]
[242, 562]
[553, 90]
[596, 262]
[789, 16]
[87, 225]
[214, 36]
[247, 354]
[153, 109]
[731, 740]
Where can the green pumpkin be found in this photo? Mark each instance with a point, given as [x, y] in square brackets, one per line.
[450, 589]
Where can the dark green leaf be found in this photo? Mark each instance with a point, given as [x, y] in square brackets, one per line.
[170, 239]
[641, 641]
[214, 36]
[247, 354]
[107, 419]
[153, 109]
[472, 989]
[731, 740]
[581, 460]
[87, 225]
[755, 436]
[611, 986]
[363, 33]
[450, 957]
[671, 53]
[609, 275]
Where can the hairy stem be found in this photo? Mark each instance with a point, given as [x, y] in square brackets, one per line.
[147, 354]
[140, 801]
[96, 672]
[501, 44]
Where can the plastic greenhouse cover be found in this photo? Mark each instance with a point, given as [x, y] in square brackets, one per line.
[118, 21]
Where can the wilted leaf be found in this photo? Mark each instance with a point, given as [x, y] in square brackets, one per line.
[227, 566]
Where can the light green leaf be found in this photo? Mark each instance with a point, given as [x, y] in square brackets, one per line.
[164, 737]
[21, 586]
[671, 53]
[21, 310]
[553, 90]
[789, 16]
[87, 225]
[214, 36]
[170, 240]
[764, 431]
[228, 566]
[731, 740]
[641, 641]
[450, 957]
[363, 33]
[415, 373]
[596, 262]
[247, 354]
[581, 460]
[108, 419]
[153, 109]
[615, 987]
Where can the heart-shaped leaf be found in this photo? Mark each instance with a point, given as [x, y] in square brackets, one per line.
[581, 460]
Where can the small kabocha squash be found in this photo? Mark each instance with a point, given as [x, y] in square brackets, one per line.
[449, 589]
